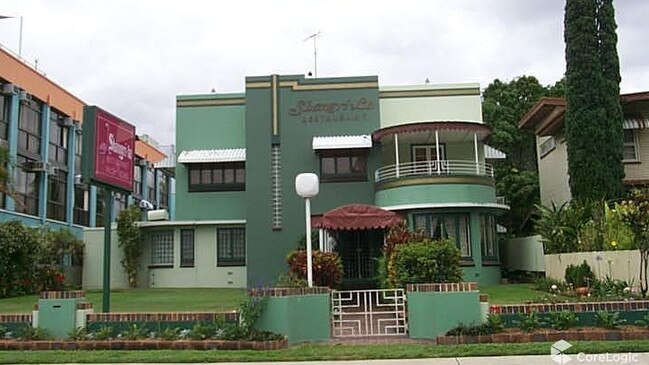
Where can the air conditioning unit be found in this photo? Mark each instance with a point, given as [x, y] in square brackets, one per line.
[157, 215]
[66, 122]
[24, 96]
[36, 166]
[10, 89]
[78, 180]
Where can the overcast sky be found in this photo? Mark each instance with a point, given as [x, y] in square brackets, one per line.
[133, 57]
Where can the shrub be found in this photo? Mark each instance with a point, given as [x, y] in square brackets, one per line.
[327, 267]
[473, 329]
[609, 320]
[29, 333]
[529, 322]
[19, 257]
[290, 280]
[427, 262]
[128, 235]
[579, 275]
[134, 332]
[60, 246]
[78, 334]
[546, 284]
[562, 320]
[495, 323]
[644, 321]
[170, 334]
[49, 278]
[396, 236]
[610, 289]
[104, 333]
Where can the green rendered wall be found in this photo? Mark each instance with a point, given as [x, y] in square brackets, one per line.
[431, 314]
[300, 318]
[435, 194]
[208, 127]
[267, 248]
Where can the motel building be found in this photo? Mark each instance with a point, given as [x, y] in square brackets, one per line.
[414, 152]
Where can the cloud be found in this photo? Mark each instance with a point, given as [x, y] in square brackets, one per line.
[134, 57]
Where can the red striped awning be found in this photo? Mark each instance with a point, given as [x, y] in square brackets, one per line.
[356, 217]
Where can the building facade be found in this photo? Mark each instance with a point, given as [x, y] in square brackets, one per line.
[40, 126]
[546, 119]
[415, 150]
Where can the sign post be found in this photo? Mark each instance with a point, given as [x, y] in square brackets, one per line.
[108, 162]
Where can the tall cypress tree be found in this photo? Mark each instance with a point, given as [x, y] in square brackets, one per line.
[594, 165]
[610, 63]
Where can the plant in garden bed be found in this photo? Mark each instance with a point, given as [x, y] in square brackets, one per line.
[609, 320]
[327, 267]
[494, 324]
[134, 332]
[529, 322]
[29, 333]
[635, 213]
[562, 321]
[128, 234]
[579, 275]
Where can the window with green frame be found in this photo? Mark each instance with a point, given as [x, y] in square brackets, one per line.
[456, 227]
[488, 240]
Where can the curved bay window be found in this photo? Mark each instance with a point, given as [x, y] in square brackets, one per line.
[343, 165]
[221, 176]
[455, 227]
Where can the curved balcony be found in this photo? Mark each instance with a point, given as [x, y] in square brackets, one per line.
[433, 169]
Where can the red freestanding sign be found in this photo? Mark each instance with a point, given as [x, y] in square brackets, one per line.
[112, 148]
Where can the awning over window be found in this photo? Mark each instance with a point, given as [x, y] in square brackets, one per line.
[206, 156]
[357, 216]
[491, 153]
[342, 142]
[636, 123]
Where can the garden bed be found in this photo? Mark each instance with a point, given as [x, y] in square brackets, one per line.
[548, 335]
[143, 345]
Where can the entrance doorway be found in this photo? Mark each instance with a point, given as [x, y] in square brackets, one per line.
[359, 251]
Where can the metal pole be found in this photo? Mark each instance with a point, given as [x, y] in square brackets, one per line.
[309, 261]
[396, 152]
[475, 144]
[321, 239]
[108, 214]
[20, 38]
[437, 151]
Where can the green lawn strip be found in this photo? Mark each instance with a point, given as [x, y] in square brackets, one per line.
[148, 300]
[510, 293]
[316, 352]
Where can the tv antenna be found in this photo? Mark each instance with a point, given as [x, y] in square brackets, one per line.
[314, 36]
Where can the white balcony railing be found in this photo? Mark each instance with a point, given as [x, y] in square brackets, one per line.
[433, 168]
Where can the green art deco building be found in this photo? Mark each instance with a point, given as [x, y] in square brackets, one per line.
[417, 151]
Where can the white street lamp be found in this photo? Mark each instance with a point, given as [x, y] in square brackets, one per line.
[307, 186]
[20, 37]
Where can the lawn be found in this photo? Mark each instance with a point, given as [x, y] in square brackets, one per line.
[510, 293]
[148, 300]
[315, 352]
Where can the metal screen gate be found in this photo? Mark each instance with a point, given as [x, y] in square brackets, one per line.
[362, 313]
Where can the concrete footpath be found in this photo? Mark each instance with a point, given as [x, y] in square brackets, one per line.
[596, 359]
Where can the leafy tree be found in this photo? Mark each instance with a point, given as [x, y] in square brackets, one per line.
[593, 118]
[128, 235]
[504, 105]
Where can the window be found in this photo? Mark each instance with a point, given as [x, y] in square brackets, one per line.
[488, 236]
[120, 203]
[101, 208]
[29, 128]
[186, 248]
[27, 186]
[58, 144]
[4, 115]
[77, 153]
[150, 182]
[630, 146]
[81, 205]
[162, 248]
[137, 178]
[225, 176]
[164, 190]
[231, 247]
[56, 196]
[452, 226]
[548, 146]
[343, 165]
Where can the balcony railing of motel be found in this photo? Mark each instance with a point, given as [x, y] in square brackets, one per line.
[433, 168]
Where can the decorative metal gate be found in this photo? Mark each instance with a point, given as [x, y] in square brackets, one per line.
[361, 313]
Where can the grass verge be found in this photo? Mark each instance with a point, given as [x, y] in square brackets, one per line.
[315, 352]
[148, 300]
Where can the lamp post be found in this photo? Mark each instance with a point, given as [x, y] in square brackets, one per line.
[20, 36]
[307, 186]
